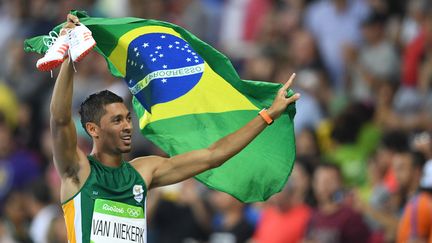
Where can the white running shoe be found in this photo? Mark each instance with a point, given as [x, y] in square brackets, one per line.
[81, 42]
[56, 54]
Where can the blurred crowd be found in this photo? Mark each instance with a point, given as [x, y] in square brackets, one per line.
[363, 127]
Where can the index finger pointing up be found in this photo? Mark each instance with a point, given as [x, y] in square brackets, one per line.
[289, 82]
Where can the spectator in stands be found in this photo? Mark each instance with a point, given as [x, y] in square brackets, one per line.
[335, 24]
[377, 205]
[377, 60]
[178, 214]
[230, 224]
[41, 210]
[285, 216]
[333, 221]
[415, 225]
[18, 166]
[15, 218]
[355, 138]
[408, 167]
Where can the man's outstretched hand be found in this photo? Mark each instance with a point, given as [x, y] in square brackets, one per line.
[281, 100]
[71, 22]
[72, 19]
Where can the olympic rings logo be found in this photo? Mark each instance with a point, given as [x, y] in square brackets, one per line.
[133, 212]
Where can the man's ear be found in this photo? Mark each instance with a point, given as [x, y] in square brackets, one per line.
[92, 129]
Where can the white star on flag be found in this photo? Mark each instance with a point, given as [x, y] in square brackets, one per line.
[188, 59]
[151, 55]
[196, 61]
[162, 36]
[159, 47]
[142, 66]
[164, 80]
[160, 55]
[177, 42]
[145, 45]
[170, 46]
[188, 50]
[153, 59]
[165, 66]
[135, 49]
[137, 54]
[130, 81]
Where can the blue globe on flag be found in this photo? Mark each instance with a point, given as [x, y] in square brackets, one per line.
[161, 67]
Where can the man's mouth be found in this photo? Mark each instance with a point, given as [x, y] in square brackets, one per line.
[127, 138]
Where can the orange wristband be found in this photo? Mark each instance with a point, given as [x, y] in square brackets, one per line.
[264, 114]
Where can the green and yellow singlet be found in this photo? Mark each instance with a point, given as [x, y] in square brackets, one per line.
[110, 207]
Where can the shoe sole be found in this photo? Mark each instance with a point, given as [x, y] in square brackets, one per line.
[48, 66]
[85, 53]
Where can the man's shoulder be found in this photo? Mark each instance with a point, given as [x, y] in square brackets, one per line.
[148, 158]
[146, 166]
[146, 161]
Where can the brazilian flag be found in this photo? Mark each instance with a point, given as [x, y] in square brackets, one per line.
[187, 96]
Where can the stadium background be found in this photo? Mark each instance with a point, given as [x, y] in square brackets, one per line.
[364, 69]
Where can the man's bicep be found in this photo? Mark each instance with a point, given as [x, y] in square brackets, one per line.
[65, 150]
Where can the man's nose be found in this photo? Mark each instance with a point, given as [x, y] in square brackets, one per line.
[128, 126]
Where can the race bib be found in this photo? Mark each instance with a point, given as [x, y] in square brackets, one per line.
[117, 222]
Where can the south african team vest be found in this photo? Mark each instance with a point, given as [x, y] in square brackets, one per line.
[109, 208]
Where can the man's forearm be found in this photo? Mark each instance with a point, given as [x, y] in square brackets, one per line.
[232, 144]
[61, 100]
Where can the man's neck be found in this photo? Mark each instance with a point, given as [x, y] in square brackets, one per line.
[111, 160]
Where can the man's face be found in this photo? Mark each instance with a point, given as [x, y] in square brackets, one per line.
[326, 181]
[116, 128]
[403, 169]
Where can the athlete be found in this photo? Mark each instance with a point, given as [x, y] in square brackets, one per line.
[103, 197]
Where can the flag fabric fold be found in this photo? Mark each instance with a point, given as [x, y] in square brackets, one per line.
[187, 95]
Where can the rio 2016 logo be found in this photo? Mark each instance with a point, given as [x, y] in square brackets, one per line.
[112, 208]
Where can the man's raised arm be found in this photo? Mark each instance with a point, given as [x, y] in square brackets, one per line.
[62, 127]
[66, 153]
[180, 167]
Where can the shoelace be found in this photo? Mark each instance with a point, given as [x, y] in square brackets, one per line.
[50, 39]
